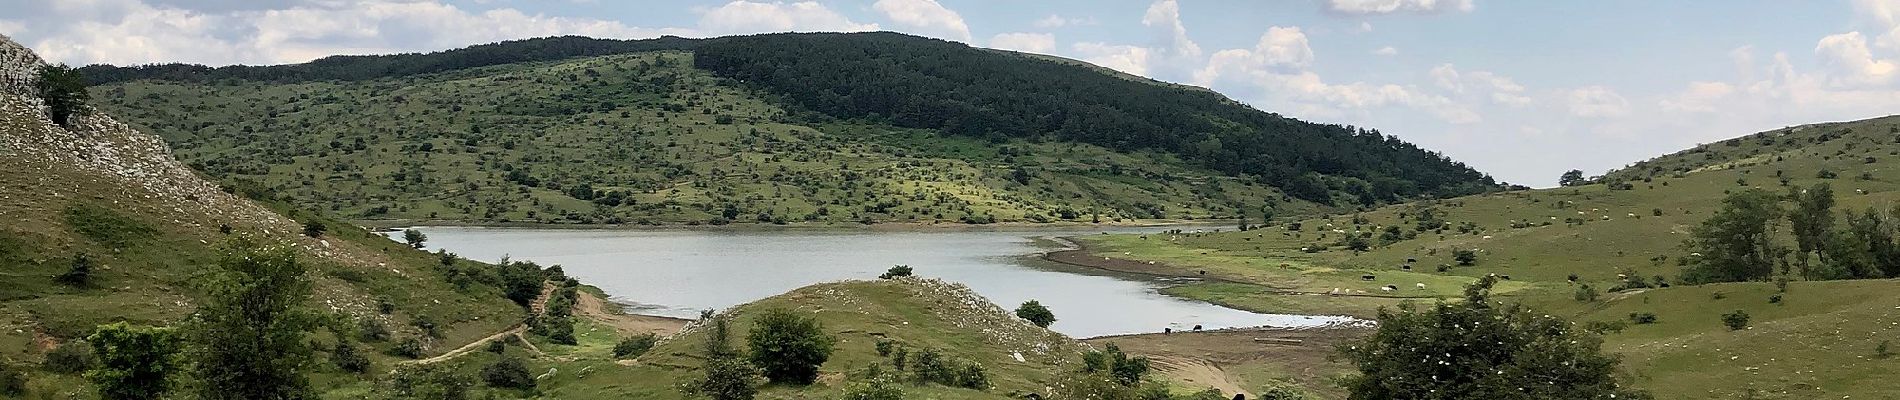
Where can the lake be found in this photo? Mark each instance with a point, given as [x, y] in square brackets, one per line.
[677, 273]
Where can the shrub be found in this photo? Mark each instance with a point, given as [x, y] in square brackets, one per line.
[1774, 298]
[133, 362]
[12, 383]
[70, 358]
[972, 376]
[348, 358]
[1585, 293]
[427, 381]
[414, 238]
[788, 347]
[509, 372]
[1882, 351]
[1735, 321]
[875, 389]
[1465, 257]
[371, 330]
[896, 271]
[497, 346]
[1603, 327]
[314, 229]
[80, 274]
[884, 347]
[1642, 318]
[634, 346]
[1036, 313]
[410, 347]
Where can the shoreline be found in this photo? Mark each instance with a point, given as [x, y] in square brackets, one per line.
[936, 226]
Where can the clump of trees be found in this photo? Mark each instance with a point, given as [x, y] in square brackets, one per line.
[1036, 313]
[1480, 349]
[1737, 243]
[414, 238]
[64, 91]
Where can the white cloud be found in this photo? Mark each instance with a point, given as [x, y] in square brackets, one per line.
[1851, 63]
[741, 16]
[1698, 97]
[1365, 26]
[134, 32]
[1386, 51]
[1024, 42]
[1165, 18]
[1597, 102]
[1364, 7]
[10, 27]
[1284, 49]
[1056, 21]
[927, 16]
[1485, 84]
[1124, 58]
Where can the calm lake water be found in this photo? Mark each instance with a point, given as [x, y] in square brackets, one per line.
[679, 272]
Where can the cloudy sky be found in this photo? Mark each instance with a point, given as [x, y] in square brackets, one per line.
[1520, 89]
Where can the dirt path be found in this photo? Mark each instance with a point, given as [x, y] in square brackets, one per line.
[537, 306]
[1196, 373]
[1213, 358]
[598, 309]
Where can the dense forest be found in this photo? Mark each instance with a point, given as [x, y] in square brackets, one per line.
[917, 82]
[354, 68]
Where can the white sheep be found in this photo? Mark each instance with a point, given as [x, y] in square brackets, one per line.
[1421, 286]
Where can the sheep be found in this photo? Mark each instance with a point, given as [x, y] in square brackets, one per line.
[1421, 285]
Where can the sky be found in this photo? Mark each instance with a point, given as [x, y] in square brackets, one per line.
[1522, 90]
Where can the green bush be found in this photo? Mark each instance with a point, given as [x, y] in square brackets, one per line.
[70, 358]
[1036, 313]
[410, 347]
[896, 271]
[1641, 318]
[634, 346]
[371, 330]
[788, 347]
[426, 381]
[1465, 257]
[64, 91]
[1735, 321]
[509, 372]
[876, 389]
[348, 358]
[497, 346]
[12, 383]
[1585, 293]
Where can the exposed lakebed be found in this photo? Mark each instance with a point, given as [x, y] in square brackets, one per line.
[676, 273]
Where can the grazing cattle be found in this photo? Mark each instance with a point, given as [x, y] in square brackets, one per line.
[1197, 328]
[1505, 277]
[1389, 288]
[1411, 260]
[1406, 267]
[1367, 277]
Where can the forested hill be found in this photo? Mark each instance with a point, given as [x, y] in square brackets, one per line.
[354, 68]
[917, 82]
[781, 127]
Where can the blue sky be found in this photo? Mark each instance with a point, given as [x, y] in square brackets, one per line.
[1520, 89]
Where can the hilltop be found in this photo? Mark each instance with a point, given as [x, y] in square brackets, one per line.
[875, 127]
[1621, 236]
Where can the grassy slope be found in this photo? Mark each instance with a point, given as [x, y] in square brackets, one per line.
[1818, 343]
[918, 313]
[648, 124]
[151, 226]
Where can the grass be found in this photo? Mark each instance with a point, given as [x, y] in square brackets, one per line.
[682, 145]
[1817, 343]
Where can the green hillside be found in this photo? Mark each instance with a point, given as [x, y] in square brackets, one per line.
[1621, 237]
[655, 133]
[151, 229]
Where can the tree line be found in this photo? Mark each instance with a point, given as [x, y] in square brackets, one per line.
[356, 68]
